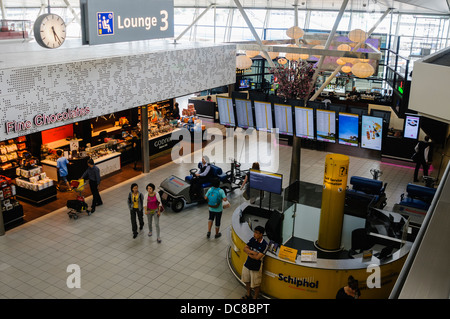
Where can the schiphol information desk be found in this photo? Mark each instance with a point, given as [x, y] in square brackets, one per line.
[293, 226]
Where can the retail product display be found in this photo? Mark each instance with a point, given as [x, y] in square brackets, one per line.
[12, 152]
[192, 124]
[10, 207]
[190, 111]
[33, 178]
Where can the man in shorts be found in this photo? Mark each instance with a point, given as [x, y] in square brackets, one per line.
[252, 269]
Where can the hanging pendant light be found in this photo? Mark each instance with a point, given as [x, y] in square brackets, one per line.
[243, 62]
[295, 32]
[357, 35]
[282, 61]
[346, 69]
[362, 70]
[292, 56]
[251, 54]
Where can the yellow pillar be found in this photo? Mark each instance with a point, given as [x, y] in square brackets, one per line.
[333, 201]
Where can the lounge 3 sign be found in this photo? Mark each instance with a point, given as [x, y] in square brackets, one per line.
[123, 21]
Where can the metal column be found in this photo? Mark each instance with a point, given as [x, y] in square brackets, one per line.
[144, 140]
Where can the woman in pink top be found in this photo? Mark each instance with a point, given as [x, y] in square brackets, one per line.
[152, 208]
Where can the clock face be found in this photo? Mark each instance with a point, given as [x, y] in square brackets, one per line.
[50, 30]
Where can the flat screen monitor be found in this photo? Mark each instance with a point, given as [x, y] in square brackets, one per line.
[283, 119]
[244, 84]
[244, 113]
[411, 127]
[263, 115]
[348, 129]
[371, 132]
[326, 126]
[304, 122]
[226, 111]
[265, 181]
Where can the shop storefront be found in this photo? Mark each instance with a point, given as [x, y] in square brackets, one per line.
[29, 162]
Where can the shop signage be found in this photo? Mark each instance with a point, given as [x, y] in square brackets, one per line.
[161, 143]
[46, 119]
[115, 21]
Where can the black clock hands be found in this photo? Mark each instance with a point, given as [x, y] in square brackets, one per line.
[56, 36]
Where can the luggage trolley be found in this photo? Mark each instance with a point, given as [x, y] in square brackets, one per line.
[78, 205]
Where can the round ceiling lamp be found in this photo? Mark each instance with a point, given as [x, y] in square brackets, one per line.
[340, 61]
[362, 70]
[292, 56]
[321, 47]
[243, 62]
[344, 47]
[282, 61]
[364, 60]
[295, 32]
[304, 56]
[357, 35]
[346, 69]
[251, 54]
[350, 60]
[272, 55]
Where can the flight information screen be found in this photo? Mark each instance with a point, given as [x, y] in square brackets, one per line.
[304, 122]
[244, 113]
[263, 115]
[283, 119]
[326, 126]
[226, 111]
[348, 129]
[264, 181]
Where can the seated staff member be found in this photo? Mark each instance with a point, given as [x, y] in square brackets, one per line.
[203, 176]
[252, 269]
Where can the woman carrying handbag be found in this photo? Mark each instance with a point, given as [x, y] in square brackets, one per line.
[153, 209]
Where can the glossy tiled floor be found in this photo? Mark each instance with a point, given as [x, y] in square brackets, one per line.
[35, 256]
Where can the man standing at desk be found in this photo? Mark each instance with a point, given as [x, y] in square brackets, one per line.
[93, 175]
[252, 269]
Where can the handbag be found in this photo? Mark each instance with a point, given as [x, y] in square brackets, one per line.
[226, 204]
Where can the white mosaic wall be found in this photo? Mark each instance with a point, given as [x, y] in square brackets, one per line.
[108, 85]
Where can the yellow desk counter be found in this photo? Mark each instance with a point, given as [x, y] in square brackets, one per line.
[283, 279]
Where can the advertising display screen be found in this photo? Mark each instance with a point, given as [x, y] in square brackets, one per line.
[304, 122]
[371, 132]
[226, 112]
[411, 129]
[263, 115]
[244, 113]
[326, 126]
[264, 181]
[283, 119]
[348, 129]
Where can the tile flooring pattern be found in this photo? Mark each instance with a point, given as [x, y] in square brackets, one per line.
[34, 257]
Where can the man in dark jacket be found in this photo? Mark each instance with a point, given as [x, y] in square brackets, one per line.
[93, 175]
[422, 149]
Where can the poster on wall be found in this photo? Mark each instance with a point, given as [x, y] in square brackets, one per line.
[283, 119]
[411, 128]
[263, 115]
[348, 129]
[304, 122]
[371, 132]
[326, 126]
[244, 113]
[226, 111]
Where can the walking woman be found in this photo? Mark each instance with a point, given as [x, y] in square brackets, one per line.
[135, 204]
[153, 208]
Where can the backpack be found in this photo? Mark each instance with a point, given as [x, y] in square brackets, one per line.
[214, 198]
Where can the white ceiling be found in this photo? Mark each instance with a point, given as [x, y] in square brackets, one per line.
[406, 6]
